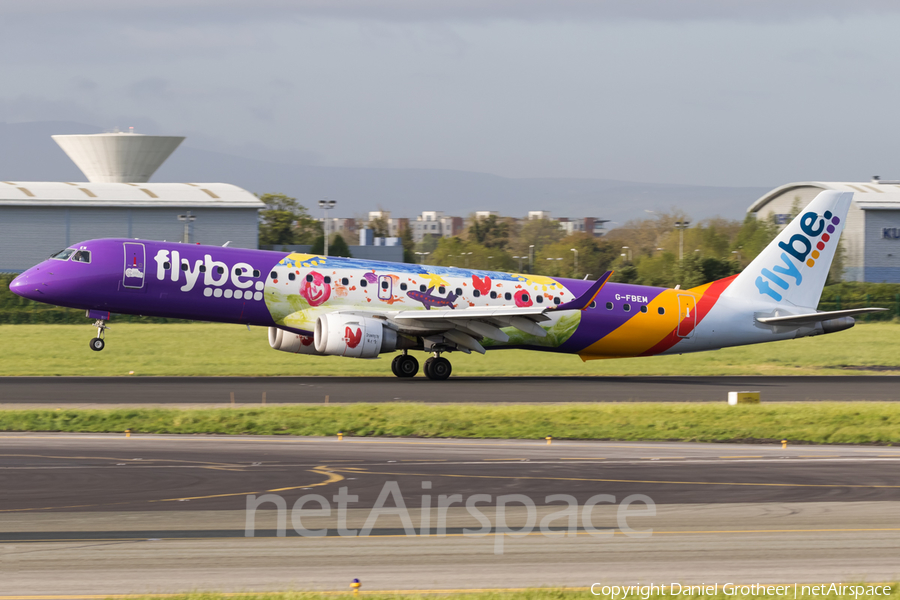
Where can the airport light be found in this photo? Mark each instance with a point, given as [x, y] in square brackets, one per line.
[531, 258]
[520, 258]
[188, 218]
[421, 254]
[326, 205]
[575, 268]
[627, 252]
[681, 226]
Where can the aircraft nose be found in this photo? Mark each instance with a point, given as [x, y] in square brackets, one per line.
[27, 285]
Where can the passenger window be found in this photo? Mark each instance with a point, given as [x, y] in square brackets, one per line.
[459, 291]
[661, 310]
[556, 300]
[185, 266]
[220, 270]
[345, 281]
[291, 276]
[493, 295]
[643, 308]
[273, 275]
[403, 286]
[442, 290]
[384, 285]
[167, 265]
[203, 268]
[626, 307]
[422, 288]
[476, 293]
[539, 299]
[327, 279]
[83, 256]
[609, 306]
[239, 270]
[256, 272]
[63, 254]
[507, 296]
[593, 304]
[363, 283]
[309, 277]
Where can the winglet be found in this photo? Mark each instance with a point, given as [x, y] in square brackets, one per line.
[583, 301]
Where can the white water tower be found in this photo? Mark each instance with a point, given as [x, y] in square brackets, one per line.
[118, 157]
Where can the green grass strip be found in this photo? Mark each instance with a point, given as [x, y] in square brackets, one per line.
[857, 591]
[812, 422]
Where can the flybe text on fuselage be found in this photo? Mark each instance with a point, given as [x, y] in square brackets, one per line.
[170, 265]
[798, 251]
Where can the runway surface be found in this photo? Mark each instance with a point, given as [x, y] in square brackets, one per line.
[91, 514]
[218, 390]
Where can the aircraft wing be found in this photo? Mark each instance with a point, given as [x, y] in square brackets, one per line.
[816, 317]
[465, 327]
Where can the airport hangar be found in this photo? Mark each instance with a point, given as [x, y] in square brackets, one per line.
[871, 239]
[39, 218]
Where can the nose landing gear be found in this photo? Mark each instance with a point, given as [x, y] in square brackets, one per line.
[98, 343]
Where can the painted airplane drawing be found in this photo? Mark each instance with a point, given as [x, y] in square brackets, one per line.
[347, 307]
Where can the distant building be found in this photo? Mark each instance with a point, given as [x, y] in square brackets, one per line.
[537, 215]
[435, 223]
[871, 238]
[484, 214]
[589, 225]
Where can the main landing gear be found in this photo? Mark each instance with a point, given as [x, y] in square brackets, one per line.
[405, 365]
[437, 367]
[98, 343]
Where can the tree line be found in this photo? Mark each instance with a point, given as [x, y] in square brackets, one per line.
[649, 251]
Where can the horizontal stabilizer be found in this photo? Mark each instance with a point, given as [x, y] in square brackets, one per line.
[816, 317]
[584, 300]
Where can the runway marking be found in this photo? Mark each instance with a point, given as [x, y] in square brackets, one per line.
[332, 477]
[732, 483]
[744, 456]
[660, 457]
[127, 460]
[598, 458]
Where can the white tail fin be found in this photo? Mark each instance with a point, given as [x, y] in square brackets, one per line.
[793, 268]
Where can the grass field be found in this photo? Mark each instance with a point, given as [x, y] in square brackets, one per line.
[214, 349]
[549, 594]
[815, 422]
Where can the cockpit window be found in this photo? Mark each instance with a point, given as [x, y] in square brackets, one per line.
[82, 256]
[63, 254]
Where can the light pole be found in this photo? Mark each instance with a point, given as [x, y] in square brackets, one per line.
[421, 254]
[531, 258]
[520, 262]
[681, 226]
[627, 252]
[575, 268]
[188, 218]
[467, 254]
[326, 205]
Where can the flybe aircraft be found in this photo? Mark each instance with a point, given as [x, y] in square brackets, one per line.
[356, 308]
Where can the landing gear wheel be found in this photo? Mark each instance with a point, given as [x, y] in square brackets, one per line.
[438, 368]
[97, 344]
[407, 366]
[394, 365]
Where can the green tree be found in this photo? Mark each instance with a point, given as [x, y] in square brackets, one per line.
[409, 246]
[537, 232]
[285, 221]
[490, 232]
[380, 227]
[336, 247]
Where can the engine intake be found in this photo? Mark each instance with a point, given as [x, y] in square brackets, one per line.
[288, 341]
[350, 335]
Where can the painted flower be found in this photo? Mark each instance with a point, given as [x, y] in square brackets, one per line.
[316, 292]
[523, 298]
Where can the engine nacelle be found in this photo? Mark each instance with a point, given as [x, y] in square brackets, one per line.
[288, 341]
[354, 336]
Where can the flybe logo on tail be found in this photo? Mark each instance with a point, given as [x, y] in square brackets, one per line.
[798, 251]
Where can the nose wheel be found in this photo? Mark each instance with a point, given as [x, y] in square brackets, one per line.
[98, 343]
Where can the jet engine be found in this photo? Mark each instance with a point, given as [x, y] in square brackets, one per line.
[355, 336]
[288, 341]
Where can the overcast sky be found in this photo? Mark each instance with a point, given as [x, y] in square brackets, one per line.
[712, 92]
